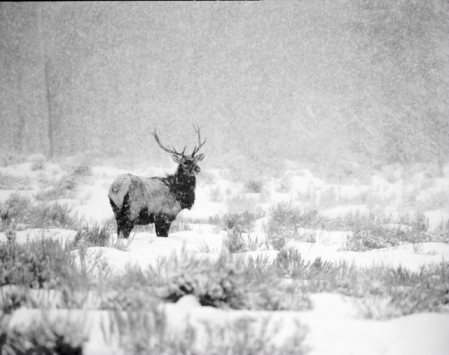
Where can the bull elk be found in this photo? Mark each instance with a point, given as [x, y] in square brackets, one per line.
[139, 200]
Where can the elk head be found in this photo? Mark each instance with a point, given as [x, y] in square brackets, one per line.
[187, 163]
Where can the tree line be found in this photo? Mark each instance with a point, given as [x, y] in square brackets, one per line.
[307, 80]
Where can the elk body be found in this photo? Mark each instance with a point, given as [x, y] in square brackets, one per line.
[139, 200]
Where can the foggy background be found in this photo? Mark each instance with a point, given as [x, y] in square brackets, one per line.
[307, 81]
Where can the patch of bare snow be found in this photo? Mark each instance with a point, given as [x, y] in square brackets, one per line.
[437, 217]
[341, 210]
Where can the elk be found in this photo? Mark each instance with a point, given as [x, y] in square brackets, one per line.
[140, 200]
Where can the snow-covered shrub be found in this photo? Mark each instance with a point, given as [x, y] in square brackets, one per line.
[441, 234]
[53, 215]
[38, 163]
[94, 235]
[38, 264]
[65, 187]
[375, 232]
[254, 186]
[216, 285]
[328, 198]
[289, 263]
[13, 299]
[84, 169]
[13, 182]
[225, 284]
[286, 183]
[248, 335]
[435, 200]
[10, 159]
[398, 292]
[364, 240]
[265, 289]
[234, 241]
[59, 337]
[243, 221]
[137, 299]
[150, 333]
[281, 225]
[11, 235]
[19, 211]
[15, 211]
[236, 224]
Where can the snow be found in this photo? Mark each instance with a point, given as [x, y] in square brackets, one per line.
[335, 324]
[333, 327]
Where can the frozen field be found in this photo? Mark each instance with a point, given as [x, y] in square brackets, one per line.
[289, 264]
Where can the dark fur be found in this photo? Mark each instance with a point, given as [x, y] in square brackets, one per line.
[182, 187]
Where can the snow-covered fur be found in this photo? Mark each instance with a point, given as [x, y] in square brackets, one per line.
[158, 200]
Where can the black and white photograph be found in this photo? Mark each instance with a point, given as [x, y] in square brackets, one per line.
[224, 177]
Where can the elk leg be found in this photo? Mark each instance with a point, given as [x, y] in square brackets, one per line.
[162, 228]
[125, 229]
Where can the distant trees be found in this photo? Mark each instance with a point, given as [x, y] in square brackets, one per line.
[312, 80]
[404, 47]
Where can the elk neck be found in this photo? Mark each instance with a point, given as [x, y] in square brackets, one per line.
[182, 186]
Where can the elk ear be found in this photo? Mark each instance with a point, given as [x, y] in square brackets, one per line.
[199, 157]
[176, 158]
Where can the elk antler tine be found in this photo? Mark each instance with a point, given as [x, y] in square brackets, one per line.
[198, 131]
[156, 137]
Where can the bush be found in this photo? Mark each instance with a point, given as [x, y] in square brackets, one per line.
[60, 337]
[83, 169]
[18, 211]
[265, 290]
[216, 285]
[38, 163]
[281, 225]
[442, 232]
[328, 198]
[254, 186]
[54, 215]
[371, 232]
[381, 292]
[400, 292]
[236, 224]
[94, 236]
[10, 159]
[15, 211]
[243, 221]
[14, 299]
[13, 182]
[375, 238]
[289, 263]
[234, 241]
[136, 299]
[63, 188]
[38, 264]
[149, 333]
[228, 285]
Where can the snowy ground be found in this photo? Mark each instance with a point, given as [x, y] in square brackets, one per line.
[335, 323]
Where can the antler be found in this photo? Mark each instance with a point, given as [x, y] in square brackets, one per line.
[173, 151]
[196, 149]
